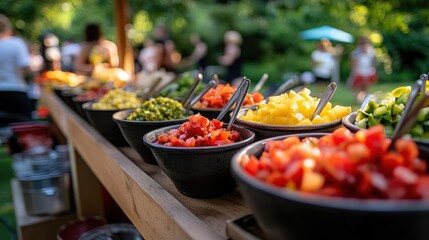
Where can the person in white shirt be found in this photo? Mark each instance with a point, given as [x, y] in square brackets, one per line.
[14, 62]
[363, 69]
[323, 61]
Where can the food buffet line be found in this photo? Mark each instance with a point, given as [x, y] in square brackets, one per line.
[176, 177]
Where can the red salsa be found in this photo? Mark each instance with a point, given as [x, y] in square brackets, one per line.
[198, 132]
[344, 164]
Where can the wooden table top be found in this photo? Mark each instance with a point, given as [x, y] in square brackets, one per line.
[143, 191]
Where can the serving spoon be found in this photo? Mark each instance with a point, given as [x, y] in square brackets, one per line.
[289, 84]
[327, 95]
[212, 83]
[186, 99]
[409, 115]
[260, 83]
[237, 97]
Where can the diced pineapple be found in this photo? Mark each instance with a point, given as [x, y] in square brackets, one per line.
[341, 111]
[304, 122]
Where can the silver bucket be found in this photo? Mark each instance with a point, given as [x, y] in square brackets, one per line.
[46, 194]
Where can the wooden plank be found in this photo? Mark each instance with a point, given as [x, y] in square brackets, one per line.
[144, 192]
[31, 227]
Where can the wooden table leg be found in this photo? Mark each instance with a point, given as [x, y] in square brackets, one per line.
[87, 188]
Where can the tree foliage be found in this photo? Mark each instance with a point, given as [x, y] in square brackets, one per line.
[270, 28]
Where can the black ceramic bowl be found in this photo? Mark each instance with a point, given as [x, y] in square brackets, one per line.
[102, 121]
[68, 96]
[79, 107]
[291, 215]
[263, 131]
[133, 132]
[349, 122]
[58, 90]
[199, 172]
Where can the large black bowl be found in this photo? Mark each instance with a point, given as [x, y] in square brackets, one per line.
[199, 172]
[68, 96]
[134, 131]
[349, 122]
[263, 131]
[79, 107]
[291, 215]
[102, 121]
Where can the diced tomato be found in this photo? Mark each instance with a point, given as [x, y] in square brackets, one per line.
[405, 175]
[347, 165]
[358, 152]
[374, 140]
[422, 187]
[276, 178]
[312, 181]
[389, 162]
[218, 97]
[199, 131]
[294, 172]
[408, 149]
[341, 135]
[257, 97]
[288, 142]
[251, 165]
[396, 189]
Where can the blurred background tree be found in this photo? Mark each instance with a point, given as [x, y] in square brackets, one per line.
[270, 29]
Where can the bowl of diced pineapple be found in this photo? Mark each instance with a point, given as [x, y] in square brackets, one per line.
[291, 113]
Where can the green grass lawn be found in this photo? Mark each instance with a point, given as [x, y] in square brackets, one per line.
[345, 96]
[6, 202]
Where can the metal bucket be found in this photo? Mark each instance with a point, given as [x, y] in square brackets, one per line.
[46, 194]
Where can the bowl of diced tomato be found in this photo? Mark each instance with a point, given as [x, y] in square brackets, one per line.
[335, 186]
[212, 103]
[196, 155]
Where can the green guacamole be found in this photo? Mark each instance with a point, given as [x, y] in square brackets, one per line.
[158, 109]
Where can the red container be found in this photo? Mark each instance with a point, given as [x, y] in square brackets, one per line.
[32, 134]
[74, 229]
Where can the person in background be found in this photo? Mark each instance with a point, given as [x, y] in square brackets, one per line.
[50, 52]
[96, 51]
[167, 56]
[148, 56]
[232, 58]
[198, 56]
[69, 52]
[36, 66]
[14, 63]
[323, 61]
[363, 69]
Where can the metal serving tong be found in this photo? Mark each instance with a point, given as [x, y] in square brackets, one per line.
[212, 83]
[410, 113]
[187, 98]
[327, 95]
[237, 97]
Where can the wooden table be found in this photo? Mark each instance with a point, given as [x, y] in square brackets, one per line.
[143, 191]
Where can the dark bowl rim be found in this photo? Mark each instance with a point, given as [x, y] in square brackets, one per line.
[135, 122]
[348, 122]
[190, 150]
[349, 204]
[261, 126]
[88, 107]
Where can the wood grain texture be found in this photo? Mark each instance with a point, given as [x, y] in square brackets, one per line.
[143, 191]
